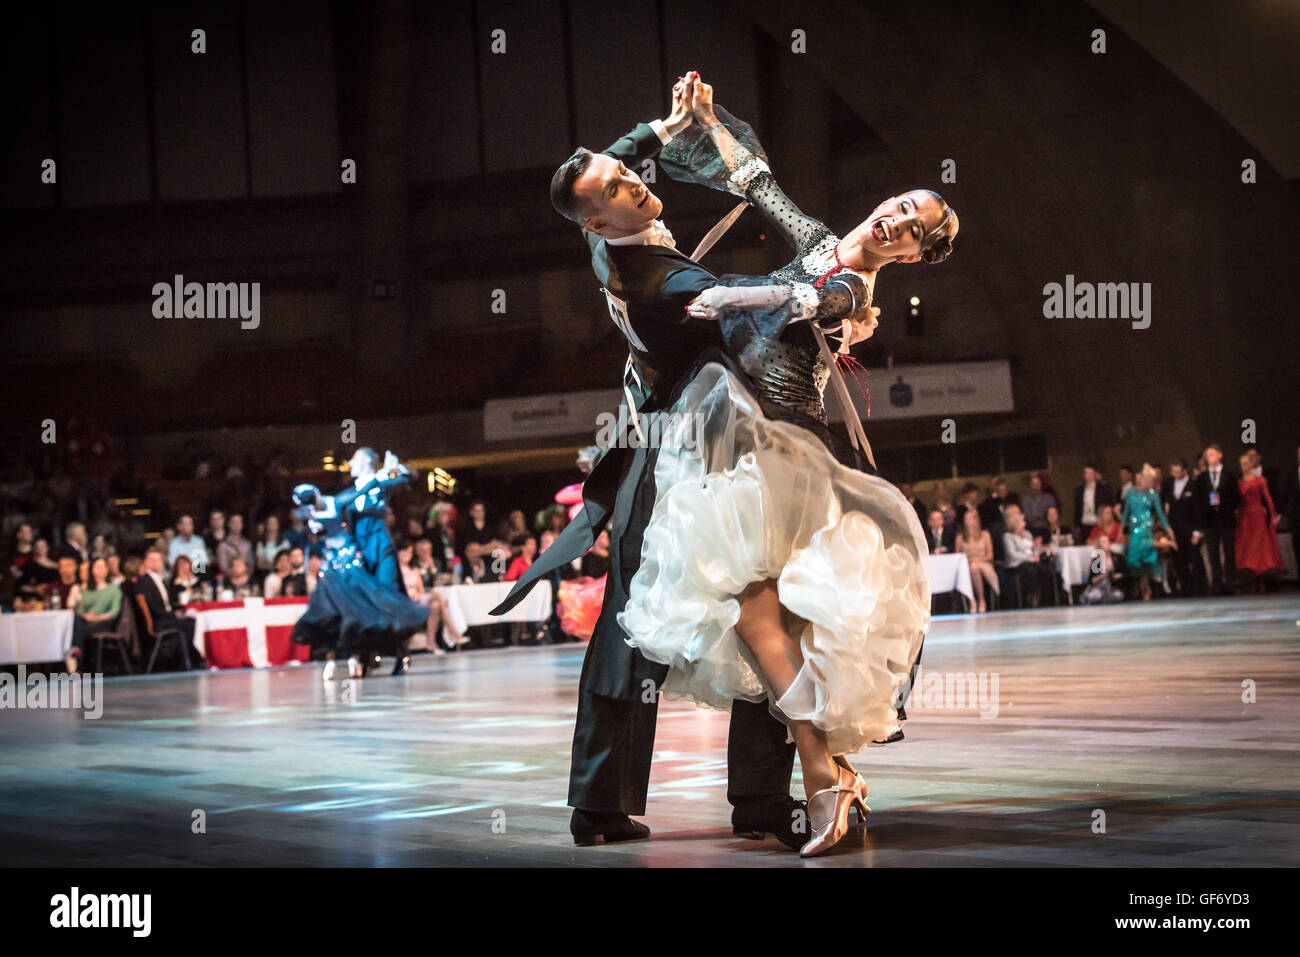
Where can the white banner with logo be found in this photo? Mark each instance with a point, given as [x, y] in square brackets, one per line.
[558, 413]
[949, 388]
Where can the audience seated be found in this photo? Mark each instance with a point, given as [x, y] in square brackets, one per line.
[67, 543]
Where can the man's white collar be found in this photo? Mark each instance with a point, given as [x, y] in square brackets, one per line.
[656, 234]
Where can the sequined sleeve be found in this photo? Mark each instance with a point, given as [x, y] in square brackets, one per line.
[844, 294]
[796, 228]
[751, 177]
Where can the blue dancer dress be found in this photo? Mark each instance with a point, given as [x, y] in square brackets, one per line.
[359, 604]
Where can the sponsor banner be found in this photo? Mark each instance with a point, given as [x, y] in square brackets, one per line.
[949, 388]
[537, 416]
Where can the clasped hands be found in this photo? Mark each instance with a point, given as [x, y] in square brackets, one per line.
[692, 100]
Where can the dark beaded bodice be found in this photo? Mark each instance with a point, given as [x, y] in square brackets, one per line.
[788, 371]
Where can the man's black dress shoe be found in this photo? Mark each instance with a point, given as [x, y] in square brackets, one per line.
[786, 819]
[600, 827]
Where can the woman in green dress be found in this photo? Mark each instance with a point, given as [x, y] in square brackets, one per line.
[97, 610]
[1141, 510]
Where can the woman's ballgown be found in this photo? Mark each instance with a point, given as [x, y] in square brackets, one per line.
[360, 603]
[751, 484]
[1141, 512]
[1257, 548]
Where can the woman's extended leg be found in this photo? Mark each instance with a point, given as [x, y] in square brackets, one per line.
[779, 658]
[832, 786]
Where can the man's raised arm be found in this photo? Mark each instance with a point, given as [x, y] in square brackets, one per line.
[647, 139]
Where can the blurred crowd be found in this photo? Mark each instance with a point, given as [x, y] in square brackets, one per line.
[98, 569]
[1210, 528]
[1207, 529]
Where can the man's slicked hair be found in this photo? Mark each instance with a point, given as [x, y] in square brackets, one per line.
[563, 198]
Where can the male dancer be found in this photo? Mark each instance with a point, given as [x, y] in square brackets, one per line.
[649, 283]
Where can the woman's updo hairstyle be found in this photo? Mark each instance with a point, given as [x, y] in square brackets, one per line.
[936, 245]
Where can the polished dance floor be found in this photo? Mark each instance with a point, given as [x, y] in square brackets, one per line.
[1160, 734]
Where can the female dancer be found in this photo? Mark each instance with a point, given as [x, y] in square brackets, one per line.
[773, 567]
[1141, 510]
[360, 605]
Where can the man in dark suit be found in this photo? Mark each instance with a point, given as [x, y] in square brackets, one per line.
[1179, 499]
[151, 585]
[648, 283]
[1088, 500]
[1217, 497]
[937, 537]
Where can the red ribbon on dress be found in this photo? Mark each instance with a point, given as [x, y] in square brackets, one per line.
[839, 267]
[848, 362]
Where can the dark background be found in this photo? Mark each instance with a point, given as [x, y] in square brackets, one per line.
[1115, 167]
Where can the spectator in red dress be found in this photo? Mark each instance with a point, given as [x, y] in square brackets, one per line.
[1257, 550]
[1107, 526]
[524, 547]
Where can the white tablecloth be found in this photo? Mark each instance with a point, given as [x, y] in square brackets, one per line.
[950, 573]
[35, 636]
[469, 605]
[1074, 564]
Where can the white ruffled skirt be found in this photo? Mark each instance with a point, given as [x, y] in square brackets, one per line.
[742, 498]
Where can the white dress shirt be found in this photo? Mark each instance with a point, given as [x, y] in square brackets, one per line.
[1089, 505]
[162, 587]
